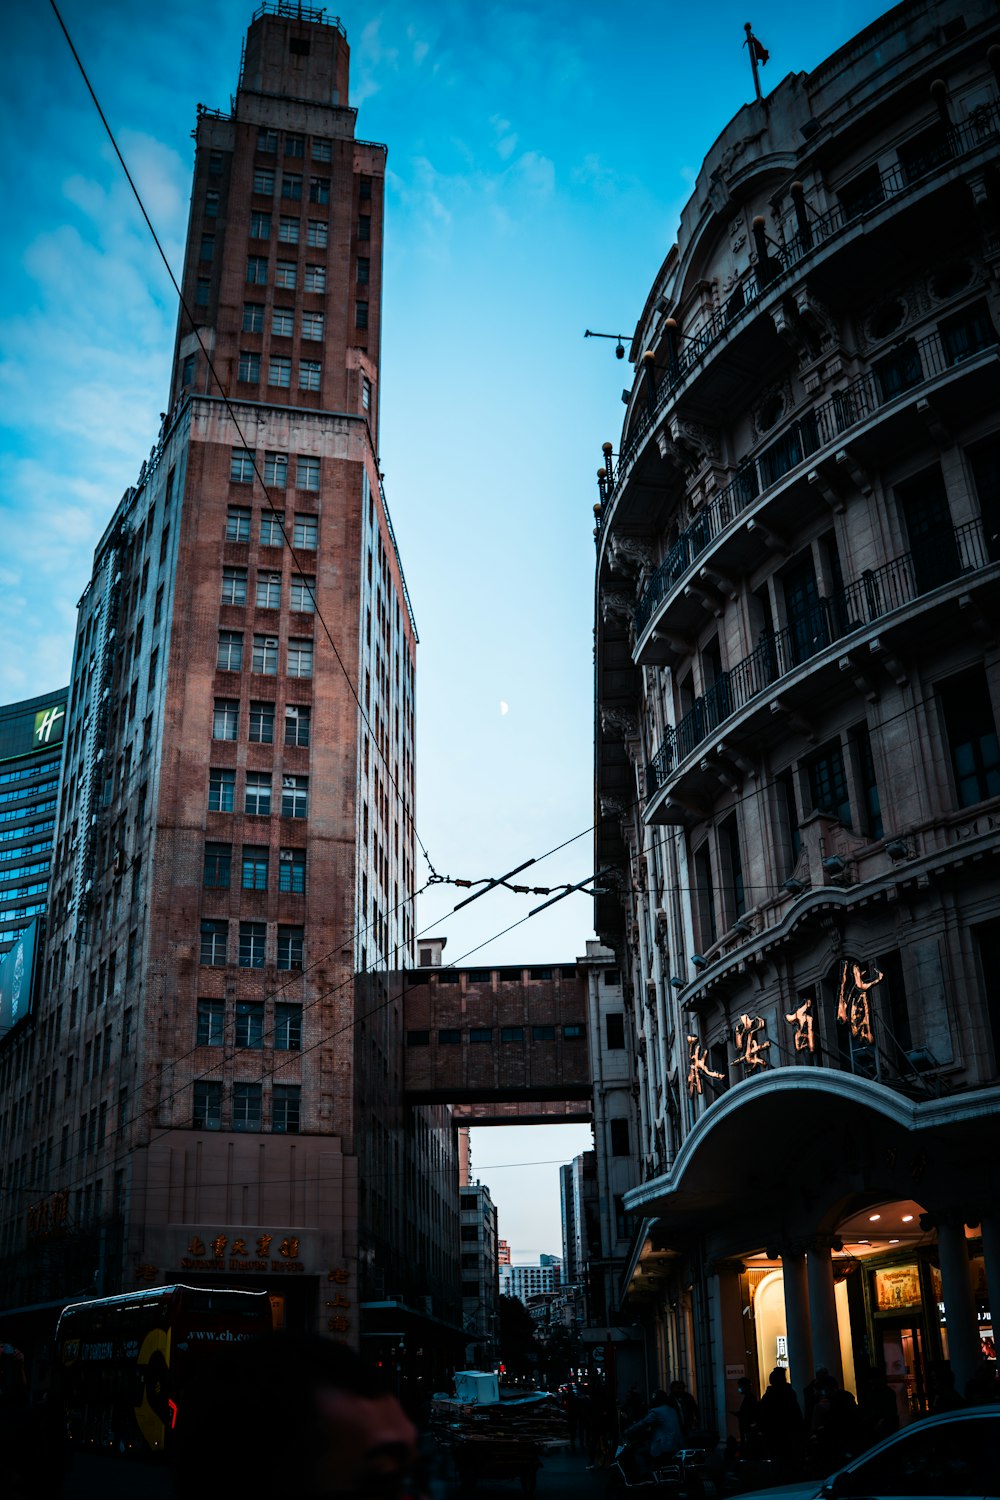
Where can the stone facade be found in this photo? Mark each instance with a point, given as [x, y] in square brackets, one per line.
[798, 580]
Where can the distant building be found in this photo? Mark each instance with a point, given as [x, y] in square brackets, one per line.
[31, 748]
[503, 1253]
[541, 1280]
[479, 1268]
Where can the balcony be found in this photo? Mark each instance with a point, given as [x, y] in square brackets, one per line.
[940, 558]
[909, 366]
[911, 172]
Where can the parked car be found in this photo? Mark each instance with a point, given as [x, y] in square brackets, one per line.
[956, 1453]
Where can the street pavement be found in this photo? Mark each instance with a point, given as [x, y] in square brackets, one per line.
[563, 1476]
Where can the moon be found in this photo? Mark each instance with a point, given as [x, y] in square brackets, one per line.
[504, 708]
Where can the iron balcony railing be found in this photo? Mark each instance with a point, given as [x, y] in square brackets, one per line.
[909, 365]
[952, 143]
[937, 558]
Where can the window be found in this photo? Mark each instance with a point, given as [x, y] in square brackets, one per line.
[291, 186]
[364, 227]
[257, 802]
[614, 1030]
[253, 937]
[253, 317]
[574, 1033]
[300, 658]
[256, 270]
[306, 532]
[249, 1028]
[288, 1028]
[262, 723]
[285, 1105]
[283, 322]
[275, 470]
[213, 943]
[271, 522]
[241, 466]
[230, 657]
[254, 868]
[972, 737]
[304, 595]
[234, 585]
[267, 140]
[187, 370]
[361, 315]
[216, 867]
[862, 193]
[418, 1038]
[208, 1106]
[317, 234]
[705, 897]
[450, 1036]
[221, 791]
[211, 1023]
[366, 393]
[268, 590]
[322, 148]
[265, 655]
[249, 366]
[543, 1033]
[207, 246]
[898, 371]
[315, 280]
[211, 205]
[364, 270]
[279, 370]
[310, 372]
[288, 231]
[319, 190]
[619, 1137]
[215, 162]
[225, 719]
[246, 1106]
[286, 275]
[969, 332]
[291, 946]
[263, 181]
[201, 291]
[238, 524]
[306, 477]
[481, 1034]
[365, 189]
[864, 765]
[312, 326]
[512, 1033]
[295, 145]
[292, 871]
[294, 796]
[731, 870]
[828, 784]
[260, 226]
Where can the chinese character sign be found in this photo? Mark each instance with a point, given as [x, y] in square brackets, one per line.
[750, 1049]
[853, 1005]
[804, 1022]
[699, 1067]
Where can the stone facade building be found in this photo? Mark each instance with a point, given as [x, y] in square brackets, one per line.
[798, 690]
[235, 834]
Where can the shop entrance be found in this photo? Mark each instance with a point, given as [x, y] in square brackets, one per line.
[905, 1367]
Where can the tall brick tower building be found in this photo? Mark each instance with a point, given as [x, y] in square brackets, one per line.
[235, 834]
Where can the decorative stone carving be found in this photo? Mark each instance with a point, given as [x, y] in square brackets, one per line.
[627, 555]
[619, 724]
[616, 606]
[701, 443]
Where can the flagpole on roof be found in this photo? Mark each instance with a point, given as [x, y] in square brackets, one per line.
[758, 54]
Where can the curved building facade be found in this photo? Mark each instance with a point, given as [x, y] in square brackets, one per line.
[797, 763]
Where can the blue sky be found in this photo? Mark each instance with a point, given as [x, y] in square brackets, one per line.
[539, 157]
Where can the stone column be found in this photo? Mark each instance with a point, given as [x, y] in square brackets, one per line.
[800, 1359]
[959, 1303]
[823, 1310]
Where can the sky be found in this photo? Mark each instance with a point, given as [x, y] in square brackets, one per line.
[539, 157]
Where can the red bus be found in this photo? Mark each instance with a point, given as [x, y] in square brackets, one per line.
[123, 1361]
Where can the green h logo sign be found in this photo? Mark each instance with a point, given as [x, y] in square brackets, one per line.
[49, 725]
